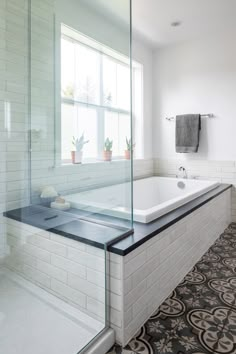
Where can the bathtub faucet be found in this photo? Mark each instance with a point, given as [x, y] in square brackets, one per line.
[183, 169]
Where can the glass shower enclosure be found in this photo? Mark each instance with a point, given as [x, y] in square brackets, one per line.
[66, 168]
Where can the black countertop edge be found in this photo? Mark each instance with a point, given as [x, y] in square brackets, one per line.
[8, 214]
[77, 238]
[132, 242]
[142, 232]
[69, 234]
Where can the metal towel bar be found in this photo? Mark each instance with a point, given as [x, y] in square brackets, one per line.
[208, 115]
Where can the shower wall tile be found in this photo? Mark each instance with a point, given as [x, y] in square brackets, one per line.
[71, 270]
[66, 292]
[13, 106]
[71, 267]
[73, 179]
[14, 120]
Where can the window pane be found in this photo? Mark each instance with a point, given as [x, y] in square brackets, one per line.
[123, 87]
[75, 121]
[109, 82]
[87, 124]
[117, 127]
[67, 68]
[68, 129]
[124, 131]
[87, 75]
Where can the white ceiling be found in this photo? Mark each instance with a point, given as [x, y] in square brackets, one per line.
[152, 18]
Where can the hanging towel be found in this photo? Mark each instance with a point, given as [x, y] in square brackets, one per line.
[187, 132]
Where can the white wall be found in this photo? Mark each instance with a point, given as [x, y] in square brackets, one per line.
[197, 77]
[92, 23]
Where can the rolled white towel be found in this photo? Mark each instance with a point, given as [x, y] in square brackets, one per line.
[48, 192]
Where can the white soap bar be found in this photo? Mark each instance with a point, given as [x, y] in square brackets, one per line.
[60, 206]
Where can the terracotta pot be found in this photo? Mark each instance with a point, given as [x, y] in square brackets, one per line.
[127, 154]
[76, 156]
[107, 155]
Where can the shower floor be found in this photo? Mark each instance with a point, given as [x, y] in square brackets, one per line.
[33, 321]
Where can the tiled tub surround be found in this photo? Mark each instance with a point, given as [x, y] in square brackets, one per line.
[221, 171]
[146, 276]
[199, 315]
[71, 270]
[140, 280]
[153, 197]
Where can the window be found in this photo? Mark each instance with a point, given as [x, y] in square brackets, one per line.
[95, 96]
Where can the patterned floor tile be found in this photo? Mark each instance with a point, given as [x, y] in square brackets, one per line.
[199, 317]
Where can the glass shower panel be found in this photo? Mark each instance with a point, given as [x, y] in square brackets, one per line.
[80, 181]
[80, 99]
[62, 204]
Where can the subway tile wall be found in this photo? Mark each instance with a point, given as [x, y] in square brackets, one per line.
[221, 171]
[14, 115]
[150, 273]
[13, 108]
[69, 269]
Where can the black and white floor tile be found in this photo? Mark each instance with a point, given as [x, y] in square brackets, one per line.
[199, 317]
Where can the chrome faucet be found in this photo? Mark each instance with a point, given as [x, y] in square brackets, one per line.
[183, 169]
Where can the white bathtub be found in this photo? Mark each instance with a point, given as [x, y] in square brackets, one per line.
[153, 197]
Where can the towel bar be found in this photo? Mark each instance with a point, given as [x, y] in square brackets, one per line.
[208, 115]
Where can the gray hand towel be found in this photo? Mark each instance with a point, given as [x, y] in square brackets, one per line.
[187, 132]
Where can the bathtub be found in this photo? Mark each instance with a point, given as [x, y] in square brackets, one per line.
[153, 197]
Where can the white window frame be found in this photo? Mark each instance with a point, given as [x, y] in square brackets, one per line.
[75, 37]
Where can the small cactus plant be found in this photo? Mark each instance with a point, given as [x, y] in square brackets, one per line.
[107, 153]
[108, 144]
[129, 145]
[79, 142]
[129, 148]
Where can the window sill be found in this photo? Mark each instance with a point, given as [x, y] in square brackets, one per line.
[95, 162]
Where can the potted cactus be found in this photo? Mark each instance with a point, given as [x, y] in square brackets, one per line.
[107, 153]
[129, 148]
[77, 154]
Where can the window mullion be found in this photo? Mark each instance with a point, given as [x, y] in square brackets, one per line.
[100, 111]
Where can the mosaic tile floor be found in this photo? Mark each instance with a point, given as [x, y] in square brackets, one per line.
[199, 317]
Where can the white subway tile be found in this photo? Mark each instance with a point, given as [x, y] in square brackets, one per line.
[52, 271]
[69, 266]
[86, 287]
[69, 293]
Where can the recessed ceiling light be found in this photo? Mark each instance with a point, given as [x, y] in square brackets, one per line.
[176, 23]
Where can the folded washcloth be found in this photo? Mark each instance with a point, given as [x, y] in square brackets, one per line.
[187, 132]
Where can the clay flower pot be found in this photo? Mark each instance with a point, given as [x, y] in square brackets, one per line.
[127, 154]
[76, 156]
[107, 155]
